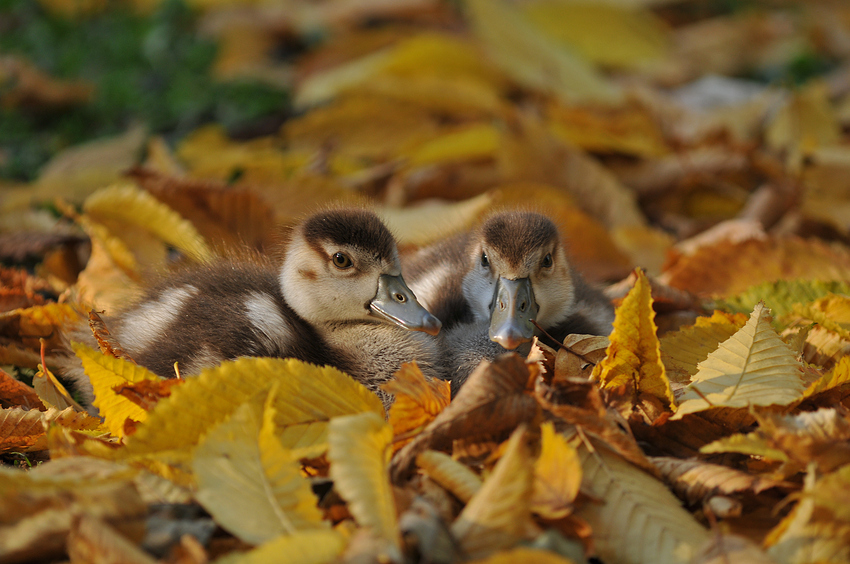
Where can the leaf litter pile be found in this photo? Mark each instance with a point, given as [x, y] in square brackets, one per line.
[697, 161]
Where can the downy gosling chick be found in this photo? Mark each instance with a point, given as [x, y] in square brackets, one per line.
[338, 299]
[489, 284]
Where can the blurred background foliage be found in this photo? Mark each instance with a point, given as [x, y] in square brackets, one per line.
[150, 68]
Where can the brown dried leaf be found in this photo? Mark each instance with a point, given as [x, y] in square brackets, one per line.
[233, 215]
[147, 393]
[24, 85]
[695, 481]
[107, 343]
[579, 355]
[20, 429]
[449, 473]
[726, 268]
[15, 393]
[490, 404]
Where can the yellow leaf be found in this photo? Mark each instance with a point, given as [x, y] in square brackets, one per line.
[634, 355]
[107, 372]
[309, 396]
[498, 516]
[753, 444]
[248, 482]
[836, 377]
[427, 222]
[557, 475]
[417, 401]
[302, 547]
[638, 520]
[359, 452]
[476, 141]
[753, 367]
[682, 350]
[832, 312]
[93, 540]
[805, 123]
[588, 26]
[449, 473]
[130, 205]
[28, 325]
[534, 60]
[524, 555]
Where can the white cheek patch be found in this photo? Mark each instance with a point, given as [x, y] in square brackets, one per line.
[265, 316]
[150, 320]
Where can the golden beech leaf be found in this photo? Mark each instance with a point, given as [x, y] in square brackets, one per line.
[130, 205]
[20, 429]
[454, 476]
[682, 350]
[832, 312]
[810, 438]
[499, 515]
[28, 325]
[806, 122]
[781, 296]
[248, 482]
[301, 547]
[753, 367]
[106, 373]
[359, 452]
[309, 397]
[637, 520]
[15, 393]
[557, 475]
[634, 357]
[110, 279]
[534, 60]
[695, 480]
[417, 401]
[836, 377]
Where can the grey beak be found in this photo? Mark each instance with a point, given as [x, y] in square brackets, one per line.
[395, 302]
[512, 311]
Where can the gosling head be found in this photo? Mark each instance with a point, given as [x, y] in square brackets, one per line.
[342, 265]
[520, 273]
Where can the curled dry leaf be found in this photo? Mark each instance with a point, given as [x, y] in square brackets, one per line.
[490, 404]
[107, 343]
[695, 481]
[20, 429]
[837, 377]
[499, 514]
[417, 402]
[579, 356]
[457, 478]
[359, 452]
[633, 356]
[248, 481]
[51, 391]
[753, 367]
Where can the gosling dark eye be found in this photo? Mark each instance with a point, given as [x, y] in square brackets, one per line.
[342, 261]
[485, 262]
[547, 261]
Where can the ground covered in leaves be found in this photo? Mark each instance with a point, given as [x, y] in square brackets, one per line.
[695, 156]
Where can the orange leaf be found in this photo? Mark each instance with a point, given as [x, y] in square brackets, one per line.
[417, 401]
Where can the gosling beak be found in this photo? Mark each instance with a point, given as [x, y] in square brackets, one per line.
[395, 302]
[511, 313]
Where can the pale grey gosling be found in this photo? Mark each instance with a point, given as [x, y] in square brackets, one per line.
[489, 285]
[338, 299]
